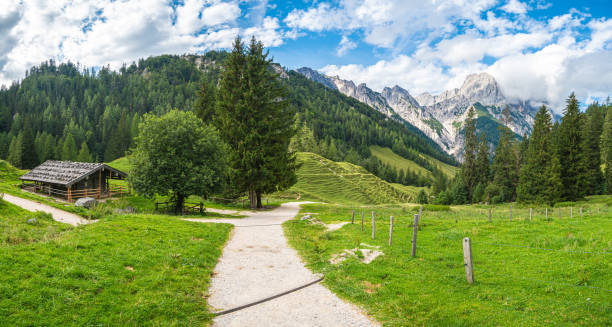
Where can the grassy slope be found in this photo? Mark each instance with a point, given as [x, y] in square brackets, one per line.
[387, 156]
[121, 164]
[124, 270]
[14, 228]
[324, 180]
[515, 285]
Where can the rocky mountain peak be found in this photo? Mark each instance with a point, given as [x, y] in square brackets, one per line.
[482, 88]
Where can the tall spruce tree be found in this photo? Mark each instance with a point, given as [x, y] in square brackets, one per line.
[253, 117]
[506, 162]
[14, 156]
[29, 158]
[469, 169]
[591, 136]
[538, 176]
[570, 151]
[205, 103]
[606, 150]
[482, 161]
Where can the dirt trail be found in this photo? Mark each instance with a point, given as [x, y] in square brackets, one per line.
[256, 263]
[58, 215]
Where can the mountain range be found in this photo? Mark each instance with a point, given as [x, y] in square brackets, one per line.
[441, 117]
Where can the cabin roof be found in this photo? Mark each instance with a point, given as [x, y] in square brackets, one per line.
[67, 173]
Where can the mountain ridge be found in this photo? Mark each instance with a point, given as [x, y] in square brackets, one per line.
[441, 116]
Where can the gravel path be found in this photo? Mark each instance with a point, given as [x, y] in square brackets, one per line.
[256, 263]
[58, 215]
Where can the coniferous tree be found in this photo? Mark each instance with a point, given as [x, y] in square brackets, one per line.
[482, 161]
[570, 151]
[14, 156]
[606, 149]
[29, 158]
[591, 136]
[468, 170]
[537, 172]
[205, 103]
[505, 162]
[84, 154]
[254, 118]
[69, 149]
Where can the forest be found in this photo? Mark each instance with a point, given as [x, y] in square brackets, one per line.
[560, 161]
[68, 112]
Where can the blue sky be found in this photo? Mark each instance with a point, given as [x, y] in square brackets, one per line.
[539, 50]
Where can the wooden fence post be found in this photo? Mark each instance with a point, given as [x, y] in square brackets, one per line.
[390, 230]
[489, 214]
[571, 212]
[420, 212]
[467, 260]
[373, 225]
[559, 212]
[510, 212]
[530, 213]
[201, 207]
[353, 217]
[414, 234]
[580, 212]
[546, 213]
[362, 220]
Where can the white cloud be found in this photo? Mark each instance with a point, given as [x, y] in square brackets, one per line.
[531, 60]
[345, 46]
[111, 32]
[515, 7]
[389, 23]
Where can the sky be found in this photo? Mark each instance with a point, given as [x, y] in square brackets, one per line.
[538, 50]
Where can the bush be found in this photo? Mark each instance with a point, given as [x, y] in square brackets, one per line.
[478, 194]
[422, 198]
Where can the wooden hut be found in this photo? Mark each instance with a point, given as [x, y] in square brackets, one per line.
[73, 180]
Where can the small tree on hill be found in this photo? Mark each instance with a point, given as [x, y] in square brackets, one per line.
[84, 154]
[177, 155]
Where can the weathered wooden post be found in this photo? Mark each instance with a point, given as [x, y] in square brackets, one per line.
[546, 213]
[390, 230]
[415, 228]
[373, 226]
[530, 213]
[571, 212]
[420, 212]
[362, 220]
[201, 207]
[559, 212]
[489, 214]
[510, 212]
[353, 217]
[580, 212]
[467, 260]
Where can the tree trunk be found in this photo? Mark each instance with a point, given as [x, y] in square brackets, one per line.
[259, 206]
[178, 206]
[252, 199]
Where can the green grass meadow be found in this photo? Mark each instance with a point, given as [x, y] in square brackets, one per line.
[129, 270]
[527, 272]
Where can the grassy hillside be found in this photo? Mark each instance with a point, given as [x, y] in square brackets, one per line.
[387, 156]
[121, 164]
[527, 272]
[130, 270]
[324, 180]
